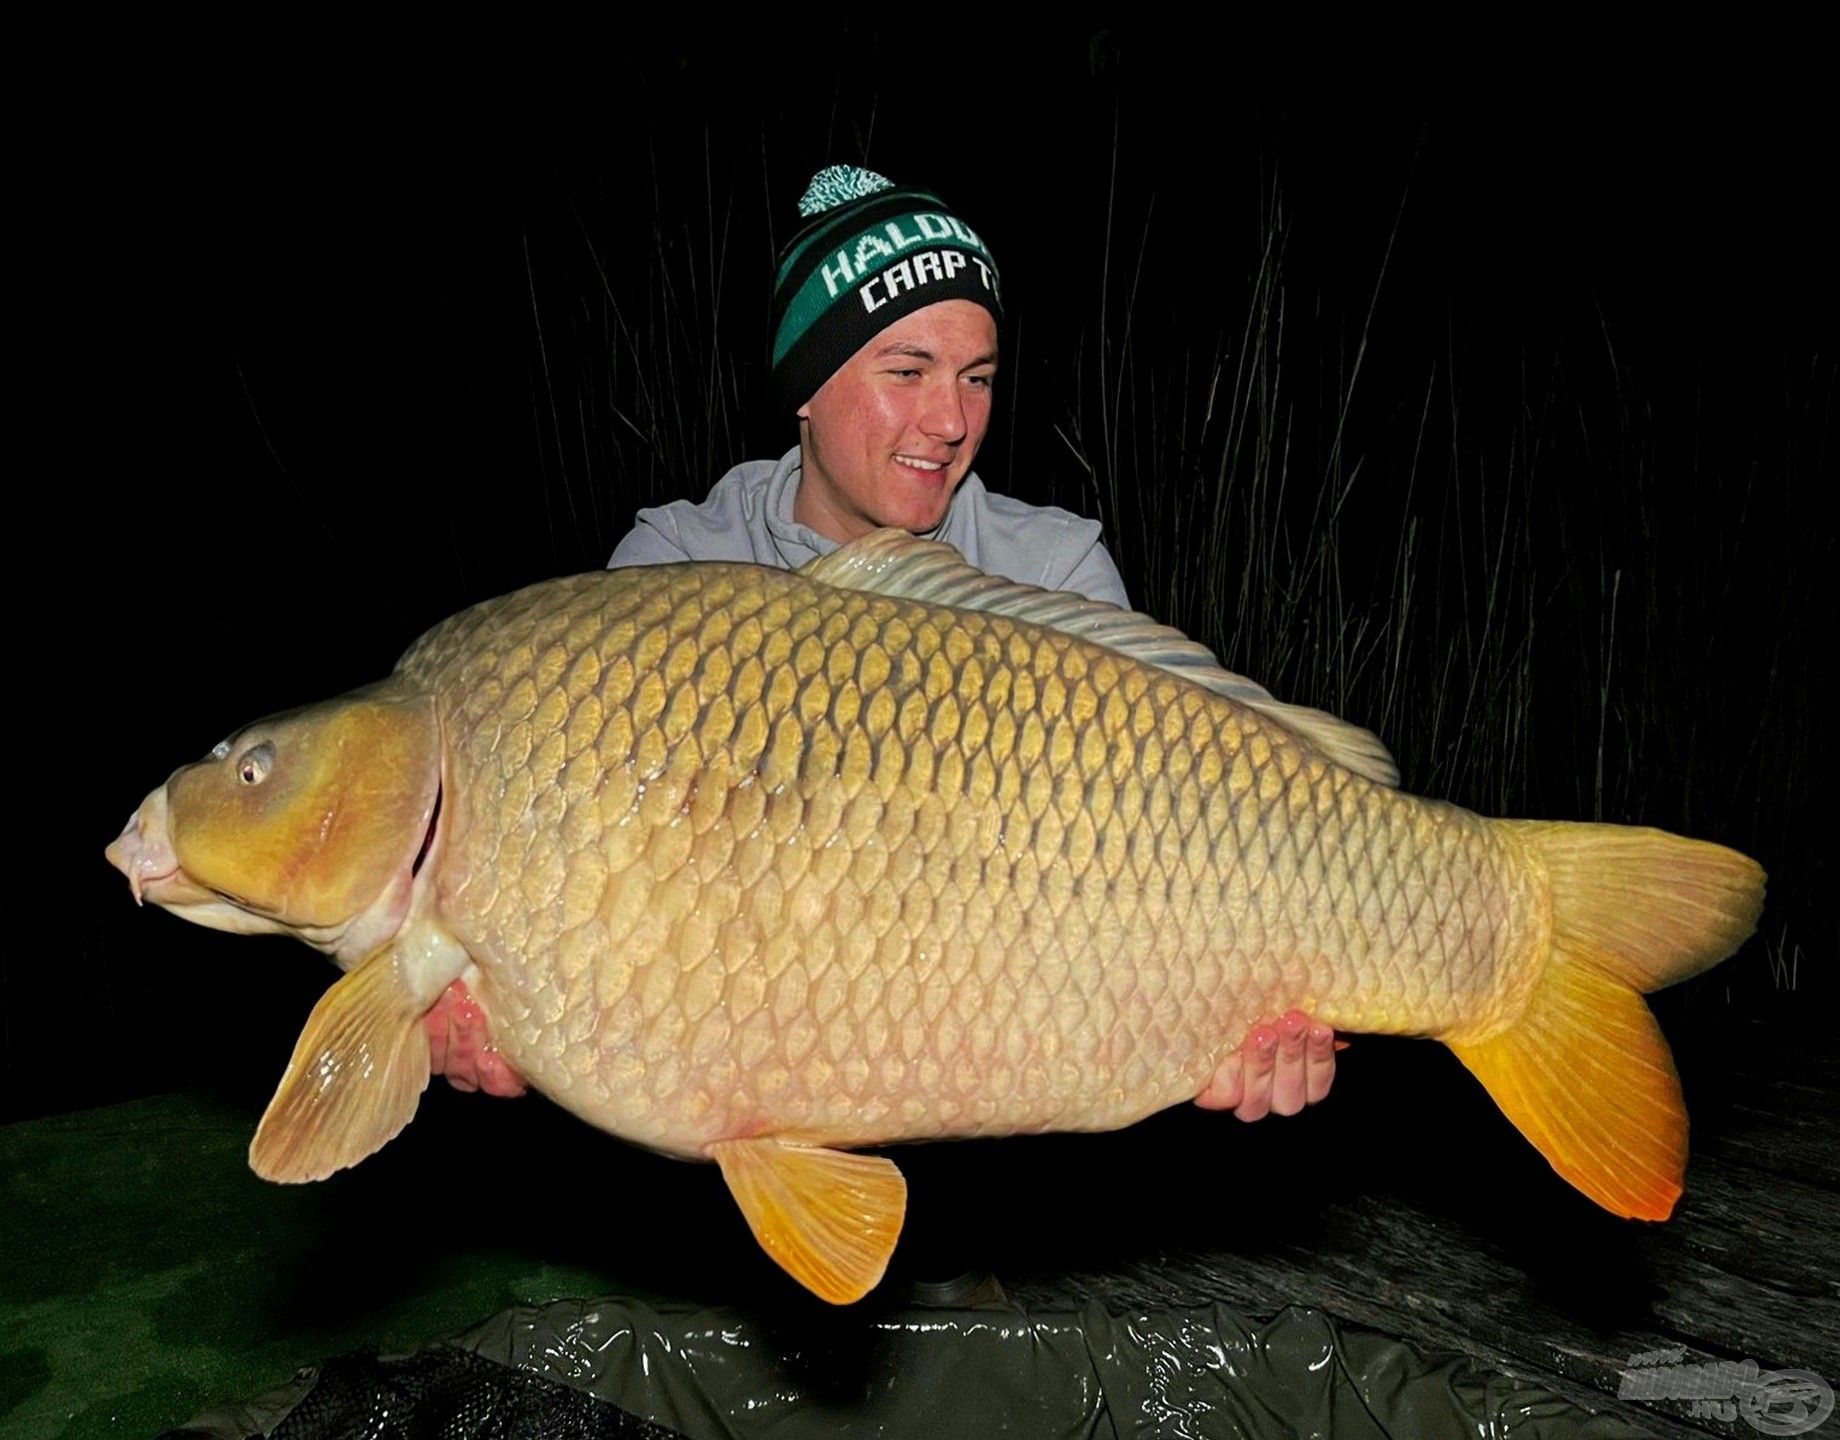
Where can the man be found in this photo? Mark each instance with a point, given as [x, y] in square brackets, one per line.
[885, 346]
[885, 314]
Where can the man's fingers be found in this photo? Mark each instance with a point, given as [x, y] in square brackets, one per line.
[457, 1038]
[1279, 1069]
[1319, 1062]
[496, 1077]
[1261, 1062]
[1288, 1081]
[1227, 1088]
[463, 1047]
[435, 1022]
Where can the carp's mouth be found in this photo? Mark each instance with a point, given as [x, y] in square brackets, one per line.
[170, 888]
[144, 853]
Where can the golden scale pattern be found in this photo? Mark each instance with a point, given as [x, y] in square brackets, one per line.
[740, 853]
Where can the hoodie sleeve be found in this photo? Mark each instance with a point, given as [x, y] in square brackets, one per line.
[646, 544]
[1097, 578]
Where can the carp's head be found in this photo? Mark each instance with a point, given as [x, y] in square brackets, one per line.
[313, 823]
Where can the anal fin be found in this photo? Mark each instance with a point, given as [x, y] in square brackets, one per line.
[353, 1081]
[829, 1218]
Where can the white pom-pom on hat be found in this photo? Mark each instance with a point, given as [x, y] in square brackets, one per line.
[836, 185]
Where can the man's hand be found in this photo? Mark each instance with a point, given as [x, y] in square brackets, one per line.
[460, 1046]
[1281, 1067]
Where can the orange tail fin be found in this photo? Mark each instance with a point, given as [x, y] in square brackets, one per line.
[1584, 1073]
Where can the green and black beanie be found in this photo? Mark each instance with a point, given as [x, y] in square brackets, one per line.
[872, 253]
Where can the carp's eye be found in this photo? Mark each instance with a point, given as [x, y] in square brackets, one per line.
[252, 769]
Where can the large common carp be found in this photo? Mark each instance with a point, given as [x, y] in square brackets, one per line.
[760, 866]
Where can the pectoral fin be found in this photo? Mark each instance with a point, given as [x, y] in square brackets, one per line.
[356, 1075]
[828, 1217]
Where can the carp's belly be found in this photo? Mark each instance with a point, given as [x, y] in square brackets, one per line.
[925, 1051]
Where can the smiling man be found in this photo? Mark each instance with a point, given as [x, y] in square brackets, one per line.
[885, 311]
[885, 314]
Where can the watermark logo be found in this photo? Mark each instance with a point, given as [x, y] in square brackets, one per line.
[1772, 1402]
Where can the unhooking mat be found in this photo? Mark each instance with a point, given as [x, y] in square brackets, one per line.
[614, 1368]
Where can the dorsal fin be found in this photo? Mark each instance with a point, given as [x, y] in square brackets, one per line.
[895, 563]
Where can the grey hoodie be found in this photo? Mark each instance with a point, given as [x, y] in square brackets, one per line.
[748, 517]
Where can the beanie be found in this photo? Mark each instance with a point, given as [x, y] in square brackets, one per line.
[872, 253]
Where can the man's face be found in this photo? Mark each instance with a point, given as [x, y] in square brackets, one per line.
[890, 436]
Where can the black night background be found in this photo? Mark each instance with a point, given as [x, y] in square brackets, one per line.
[1475, 383]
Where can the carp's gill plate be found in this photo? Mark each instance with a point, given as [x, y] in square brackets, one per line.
[760, 867]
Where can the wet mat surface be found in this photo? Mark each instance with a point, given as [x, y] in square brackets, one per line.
[450, 1392]
[592, 1368]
